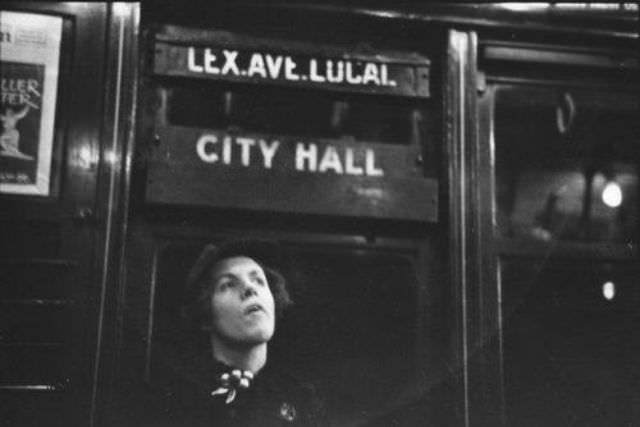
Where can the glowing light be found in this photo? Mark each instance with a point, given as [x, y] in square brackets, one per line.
[598, 6]
[83, 157]
[120, 9]
[523, 7]
[110, 157]
[612, 195]
[609, 290]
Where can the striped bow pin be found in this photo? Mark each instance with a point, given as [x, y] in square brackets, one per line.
[230, 383]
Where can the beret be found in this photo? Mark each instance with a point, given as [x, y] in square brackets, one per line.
[265, 252]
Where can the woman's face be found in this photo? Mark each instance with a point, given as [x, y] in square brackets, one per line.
[242, 305]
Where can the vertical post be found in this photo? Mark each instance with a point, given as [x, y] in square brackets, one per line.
[118, 127]
[476, 298]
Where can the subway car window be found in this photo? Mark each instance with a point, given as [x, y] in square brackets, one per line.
[566, 217]
[567, 164]
[353, 331]
[570, 342]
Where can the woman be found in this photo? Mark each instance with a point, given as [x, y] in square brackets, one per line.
[236, 296]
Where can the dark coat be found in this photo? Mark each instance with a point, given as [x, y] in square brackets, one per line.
[274, 399]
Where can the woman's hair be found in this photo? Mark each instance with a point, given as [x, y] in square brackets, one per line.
[199, 286]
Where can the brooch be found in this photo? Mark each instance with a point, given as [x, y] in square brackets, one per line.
[288, 411]
[231, 383]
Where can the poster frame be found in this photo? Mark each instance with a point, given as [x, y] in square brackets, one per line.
[42, 50]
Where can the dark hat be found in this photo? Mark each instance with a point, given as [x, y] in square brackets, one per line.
[265, 252]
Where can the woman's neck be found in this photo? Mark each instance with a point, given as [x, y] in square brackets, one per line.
[250, 358]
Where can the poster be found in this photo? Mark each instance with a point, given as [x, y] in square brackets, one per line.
[29, 67]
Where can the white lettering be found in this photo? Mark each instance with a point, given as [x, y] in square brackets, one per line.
[339, 76]
[209, 59]
[256, 66]
[330, 160]
[349, 164]
[274, 65]
[268, 151]
[212, 148]
[203, 141]
[313, 72]
[33, 87]
[371, 74]
[354, 80]
[308, 155]
[230, 62]
[191, 61]
[226, 150]
[370, 165]
[245, 155]
[384, 76]
[289, 66]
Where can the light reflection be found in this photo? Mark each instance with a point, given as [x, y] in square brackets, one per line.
[609, 290]
[612, 194]
[120, 9]
[523, 7]
[598, 6]
[110, 157]
[84, 157]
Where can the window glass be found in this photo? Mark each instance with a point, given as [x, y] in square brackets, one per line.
[570, 342]
[567, 164]
[353, 329]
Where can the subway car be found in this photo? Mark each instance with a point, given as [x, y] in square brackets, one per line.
[451, 190]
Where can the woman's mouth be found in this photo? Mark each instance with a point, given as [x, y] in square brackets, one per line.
[254, 308]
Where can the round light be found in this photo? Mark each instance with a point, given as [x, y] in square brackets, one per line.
[609, 290]
[612, 195]
[110, 157]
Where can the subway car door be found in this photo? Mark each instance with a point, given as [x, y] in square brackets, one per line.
[325, 143]
[558, 214]
[59, 165]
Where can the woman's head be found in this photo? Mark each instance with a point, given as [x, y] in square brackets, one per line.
[234, 294]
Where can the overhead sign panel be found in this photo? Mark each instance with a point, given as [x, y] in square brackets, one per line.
[235, 58]
[286, 174]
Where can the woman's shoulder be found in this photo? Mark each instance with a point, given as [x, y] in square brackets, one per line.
[298, 399]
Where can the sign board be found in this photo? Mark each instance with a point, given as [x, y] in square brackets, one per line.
[284, 174]
[221, 56]
[29, 61]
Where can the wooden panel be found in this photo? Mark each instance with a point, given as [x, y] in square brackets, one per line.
[362, 180]
[231, 57]
[22, 239]
[33, 278]
[566, 55]
[556, 249]
[32, 364]
[34, 407]
[34, 321]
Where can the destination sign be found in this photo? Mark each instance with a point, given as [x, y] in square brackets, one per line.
[219, 149]
[344, 72]
[286, 174]
[224, 149]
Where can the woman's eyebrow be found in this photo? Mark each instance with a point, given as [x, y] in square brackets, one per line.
[256, 272]
[231, 275]
[224, 276]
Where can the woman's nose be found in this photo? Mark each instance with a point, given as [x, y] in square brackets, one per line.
[249, 289]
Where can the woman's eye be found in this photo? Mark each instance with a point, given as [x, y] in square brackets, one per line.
[224, 285]
[260, 281]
